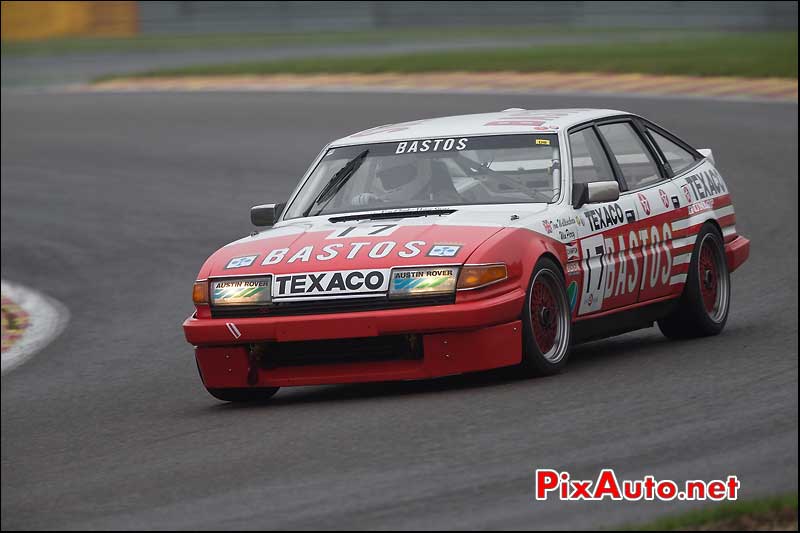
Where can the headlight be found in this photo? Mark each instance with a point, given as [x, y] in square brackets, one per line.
[477, 276]
[424, 281]
[241, 291]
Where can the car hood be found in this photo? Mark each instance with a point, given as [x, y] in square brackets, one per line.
[327, 243]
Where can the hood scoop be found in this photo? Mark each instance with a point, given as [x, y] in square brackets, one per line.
[389, 215]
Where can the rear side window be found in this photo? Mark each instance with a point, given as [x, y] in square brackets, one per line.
[589, 161]
[679, 158]
[633, 157]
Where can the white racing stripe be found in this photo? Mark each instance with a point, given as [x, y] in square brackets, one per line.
[46, 320]
[685, 241]
[702, 217]
[678, 278]
[682, 259]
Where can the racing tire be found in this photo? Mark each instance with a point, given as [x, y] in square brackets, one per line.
[546, 321]
[703, 307]
[244, 395]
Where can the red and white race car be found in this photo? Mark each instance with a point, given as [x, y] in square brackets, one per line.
[452, 245]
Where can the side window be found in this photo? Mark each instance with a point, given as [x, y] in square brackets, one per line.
[679, 159]
[589, 161]
[633, 157]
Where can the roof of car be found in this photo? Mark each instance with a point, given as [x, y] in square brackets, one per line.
[509, 121]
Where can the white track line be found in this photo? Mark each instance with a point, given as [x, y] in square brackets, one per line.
[46, 320]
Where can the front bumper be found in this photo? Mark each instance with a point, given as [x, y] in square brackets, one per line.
[736, 252]
[456, 338]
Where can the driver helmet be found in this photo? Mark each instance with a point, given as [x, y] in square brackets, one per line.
[402, 181]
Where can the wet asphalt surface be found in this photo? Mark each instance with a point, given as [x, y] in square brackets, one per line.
[110, 203]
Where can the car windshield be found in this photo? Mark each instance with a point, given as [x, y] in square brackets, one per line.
[432, 172]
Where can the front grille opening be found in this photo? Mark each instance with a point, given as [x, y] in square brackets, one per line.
[326, 306]
[269, 355]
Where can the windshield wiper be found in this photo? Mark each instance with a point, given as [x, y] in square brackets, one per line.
[394, 214]
[336, 183]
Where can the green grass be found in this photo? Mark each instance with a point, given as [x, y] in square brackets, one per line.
[161, 43]
[741, 515]
[734, 54]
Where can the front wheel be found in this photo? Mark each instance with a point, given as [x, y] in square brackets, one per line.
[546, 320]
[244, 395]
[703, 307]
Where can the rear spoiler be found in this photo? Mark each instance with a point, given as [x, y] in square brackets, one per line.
[708, 154]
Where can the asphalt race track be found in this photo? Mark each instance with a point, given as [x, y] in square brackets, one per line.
[111, 202]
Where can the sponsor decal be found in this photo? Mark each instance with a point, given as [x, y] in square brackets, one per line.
[656, 260]
[324, 284]
[701, 206]
[241, 262]
[431, 145]
[517, 122]
[535, 125]
[567, 234]
[686, 193]
[607, 216]
[564, 225]
[573, 268]
[526, 117]
[675, 202]
[611, 267]
[664, 198]
[644, 202]
[572, 252]
[705, 184]
[562, 222]
[388, 128]
[351, 250]
[444, 250]
[423, 281]
[572, 295]
[241, 291]
[544, 142]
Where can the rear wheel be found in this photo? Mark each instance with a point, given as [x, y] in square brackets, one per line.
[244, 395]
[547, 321]
[703, 307]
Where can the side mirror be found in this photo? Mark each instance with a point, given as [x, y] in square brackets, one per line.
[594, 193]
[266, 214]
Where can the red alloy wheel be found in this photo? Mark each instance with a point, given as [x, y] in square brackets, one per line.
[544, 316]
[709, 278]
